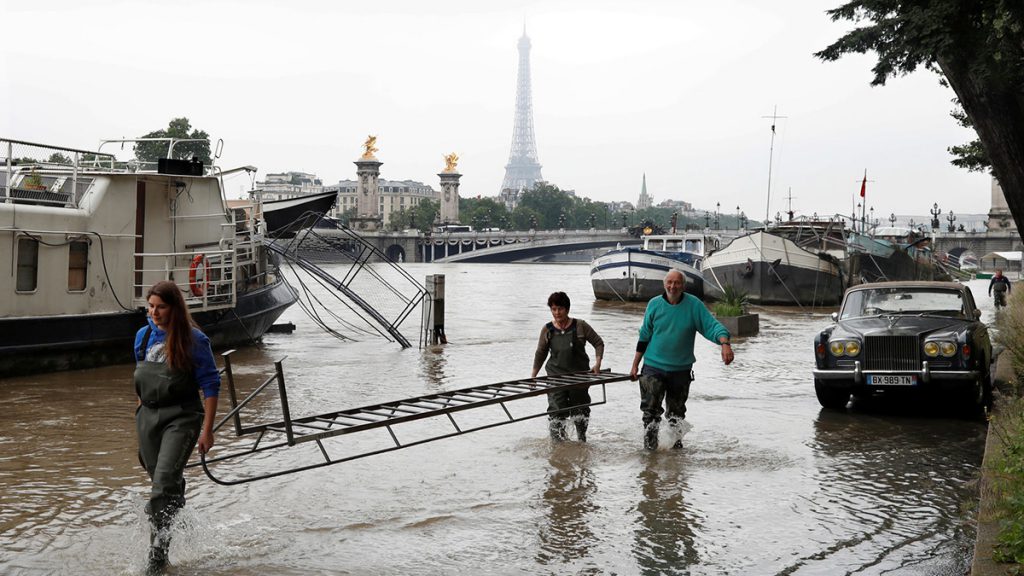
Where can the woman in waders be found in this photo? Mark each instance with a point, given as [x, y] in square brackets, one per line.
[565, 340]
[174, 362]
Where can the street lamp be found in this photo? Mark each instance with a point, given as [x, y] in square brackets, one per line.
[951, 218]
[892, 219]
[737, 217]
[707, 219]
[718, 206]
[935, 211]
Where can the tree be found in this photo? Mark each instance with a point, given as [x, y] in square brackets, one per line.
[977, 46]
[177, 128]
[421, 216]
[482, 212]
[550, 202]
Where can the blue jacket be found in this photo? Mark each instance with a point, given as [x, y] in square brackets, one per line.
[205, 370]
[668, 331]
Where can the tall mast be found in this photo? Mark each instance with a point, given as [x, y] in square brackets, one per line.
[771, 150]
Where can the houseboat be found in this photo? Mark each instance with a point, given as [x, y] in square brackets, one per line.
[83, 236]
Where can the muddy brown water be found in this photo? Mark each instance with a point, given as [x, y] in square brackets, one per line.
[767, 482]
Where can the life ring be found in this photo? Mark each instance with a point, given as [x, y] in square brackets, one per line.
[199, 287]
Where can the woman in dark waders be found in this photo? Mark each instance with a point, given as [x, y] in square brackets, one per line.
[565, 339]
[174, 362]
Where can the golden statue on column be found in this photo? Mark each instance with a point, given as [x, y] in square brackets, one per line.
[450, 161]
[370, 146]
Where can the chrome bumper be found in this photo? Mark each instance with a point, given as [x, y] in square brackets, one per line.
[926, 374]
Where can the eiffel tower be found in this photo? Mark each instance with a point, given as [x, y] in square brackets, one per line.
[523, 169]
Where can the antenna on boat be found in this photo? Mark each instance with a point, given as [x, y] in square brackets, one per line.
[789, 199]
[771, 149]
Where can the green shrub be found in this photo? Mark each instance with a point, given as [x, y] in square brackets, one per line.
[732, 303]
[1010, 325]
[1007, 474]
[1007, 424]
[722, 309]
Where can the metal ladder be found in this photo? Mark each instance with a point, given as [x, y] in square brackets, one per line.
[289, 432]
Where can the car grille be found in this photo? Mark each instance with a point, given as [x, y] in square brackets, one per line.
[892, 353]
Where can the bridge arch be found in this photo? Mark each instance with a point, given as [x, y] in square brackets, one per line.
[395, 253]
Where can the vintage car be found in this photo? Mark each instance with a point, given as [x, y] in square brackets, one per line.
[915, 337]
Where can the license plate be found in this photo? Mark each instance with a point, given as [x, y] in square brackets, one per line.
[892, 380]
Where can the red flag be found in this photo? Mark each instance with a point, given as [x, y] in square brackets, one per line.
[864, 185]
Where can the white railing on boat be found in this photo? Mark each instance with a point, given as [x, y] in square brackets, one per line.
[47, 175]
[206, 277]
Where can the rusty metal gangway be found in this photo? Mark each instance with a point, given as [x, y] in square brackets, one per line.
[289, 432]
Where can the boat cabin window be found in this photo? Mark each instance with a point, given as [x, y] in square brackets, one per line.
[694, 246]
[78, 265]
[28, 264]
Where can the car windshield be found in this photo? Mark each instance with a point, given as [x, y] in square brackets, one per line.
[872, 302]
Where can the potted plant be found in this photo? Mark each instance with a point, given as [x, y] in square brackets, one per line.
[731, 311]
[32, 181]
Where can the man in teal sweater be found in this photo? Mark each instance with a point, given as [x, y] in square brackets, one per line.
[666, 340]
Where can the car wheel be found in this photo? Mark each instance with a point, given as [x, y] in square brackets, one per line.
[831, 398]
[980, 397]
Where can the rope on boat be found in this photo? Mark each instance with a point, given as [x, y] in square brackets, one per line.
[777, 275]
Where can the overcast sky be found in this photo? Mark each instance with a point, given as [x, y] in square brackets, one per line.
[678, 90]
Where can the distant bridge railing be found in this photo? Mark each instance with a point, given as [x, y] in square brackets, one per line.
[510, 245]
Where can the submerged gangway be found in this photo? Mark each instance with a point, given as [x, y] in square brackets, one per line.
[289, 431]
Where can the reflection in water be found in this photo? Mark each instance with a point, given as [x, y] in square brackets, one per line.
[898, 498]
[432, 367]
[569, 505]
[663, 540]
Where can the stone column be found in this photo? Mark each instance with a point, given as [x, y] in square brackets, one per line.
[449, 212]
[368, 217]
[999, 217]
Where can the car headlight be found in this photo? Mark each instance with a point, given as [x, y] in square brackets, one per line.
[940, 347]
[836, 347]
[844, 347]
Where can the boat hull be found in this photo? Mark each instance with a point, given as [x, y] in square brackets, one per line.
[632, 274]
[285, 217]
[31, 345]
[865, 267]
[773, 270]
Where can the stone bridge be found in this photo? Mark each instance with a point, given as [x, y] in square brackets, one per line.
[980, 243]
[483, 246]
[510, 246]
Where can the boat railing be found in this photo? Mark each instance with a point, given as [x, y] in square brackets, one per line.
[206, 277]
[32, 173]
[41, 174]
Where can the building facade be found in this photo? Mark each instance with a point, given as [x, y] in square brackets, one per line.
[286, 185]
[394, 196]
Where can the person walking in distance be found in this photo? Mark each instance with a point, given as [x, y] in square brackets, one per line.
[174, 363]
[563, 342]
[1001, 285]
[666, 342]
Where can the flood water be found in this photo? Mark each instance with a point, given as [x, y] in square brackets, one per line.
[767, 482]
